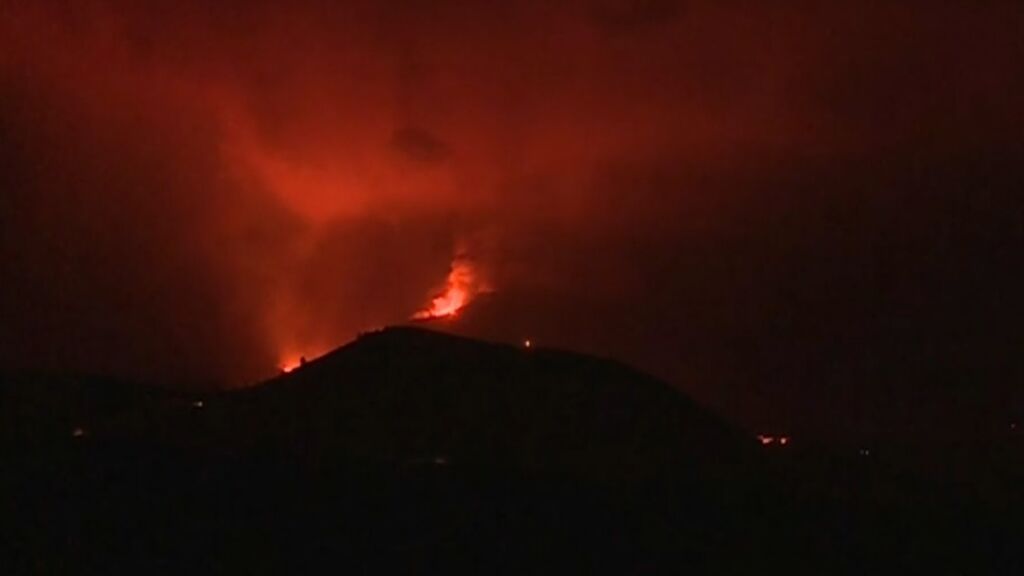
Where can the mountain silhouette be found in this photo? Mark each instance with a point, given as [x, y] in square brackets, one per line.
[410, 450]
[407, 394]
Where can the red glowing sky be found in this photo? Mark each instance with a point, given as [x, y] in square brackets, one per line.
[762, 202]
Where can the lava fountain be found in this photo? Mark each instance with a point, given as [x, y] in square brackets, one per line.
[462, 285]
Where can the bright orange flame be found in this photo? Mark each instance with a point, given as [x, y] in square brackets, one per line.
[461, 286]
[291, 363]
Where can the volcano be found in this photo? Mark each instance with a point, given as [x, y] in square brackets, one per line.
[408, 394]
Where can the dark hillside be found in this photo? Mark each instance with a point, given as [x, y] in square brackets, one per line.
[413, 451]
[406, 394]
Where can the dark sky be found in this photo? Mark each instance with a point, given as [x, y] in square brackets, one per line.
[808, 215]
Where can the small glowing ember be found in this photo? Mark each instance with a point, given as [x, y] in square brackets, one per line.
[462, 285]
[527, 343]
[765, 440]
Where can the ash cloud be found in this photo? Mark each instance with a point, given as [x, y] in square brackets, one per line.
[419, 145]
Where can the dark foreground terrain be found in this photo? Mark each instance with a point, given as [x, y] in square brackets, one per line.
[412, 451]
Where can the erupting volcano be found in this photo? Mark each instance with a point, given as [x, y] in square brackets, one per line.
[462, 285]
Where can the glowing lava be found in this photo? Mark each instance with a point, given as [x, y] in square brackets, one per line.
[461, 286]
[291, 363]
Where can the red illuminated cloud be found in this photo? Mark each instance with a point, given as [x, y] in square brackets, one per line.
[718, 193]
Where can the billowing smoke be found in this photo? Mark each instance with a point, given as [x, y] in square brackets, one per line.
[758, 201]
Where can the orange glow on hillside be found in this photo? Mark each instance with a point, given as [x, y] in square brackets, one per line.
[296, 356]
[460, 288]
[291, 363]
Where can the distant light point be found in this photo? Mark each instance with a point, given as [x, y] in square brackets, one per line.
[527, 343]
[766, 440]
[78, 433]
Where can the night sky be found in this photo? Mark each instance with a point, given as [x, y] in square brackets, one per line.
[806, 215]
